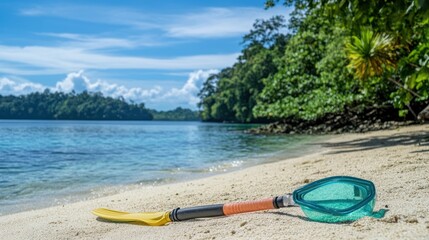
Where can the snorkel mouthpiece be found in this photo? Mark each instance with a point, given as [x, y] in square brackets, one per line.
[336, 199]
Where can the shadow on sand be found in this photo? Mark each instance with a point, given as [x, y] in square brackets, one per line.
[376, 214]
[363, 144]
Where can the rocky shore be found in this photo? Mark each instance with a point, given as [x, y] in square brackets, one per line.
[350, 121]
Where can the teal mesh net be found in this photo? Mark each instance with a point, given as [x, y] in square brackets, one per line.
[336, 199]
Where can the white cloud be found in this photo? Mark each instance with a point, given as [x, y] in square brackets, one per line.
[74, 81]
[188, 93]
[218, 22]
[78, 82]
[99, 52]
[201, 23]
[92, 13]
[8, 87]
[63, 59]
[186, 96]
[91, 42]
[10, 68]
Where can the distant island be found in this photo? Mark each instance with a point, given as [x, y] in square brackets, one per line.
[178, 114]
[83, 106]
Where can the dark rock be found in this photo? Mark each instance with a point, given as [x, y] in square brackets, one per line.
[349, 121]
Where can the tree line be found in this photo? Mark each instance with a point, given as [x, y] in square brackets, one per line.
[178, 114]
[329, 56]
[83, 106]
[70, 106]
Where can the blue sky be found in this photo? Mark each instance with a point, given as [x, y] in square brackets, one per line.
[156, 52]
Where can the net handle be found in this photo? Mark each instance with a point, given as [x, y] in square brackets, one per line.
[248, 206]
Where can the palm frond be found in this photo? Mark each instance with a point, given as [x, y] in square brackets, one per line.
[371, 54]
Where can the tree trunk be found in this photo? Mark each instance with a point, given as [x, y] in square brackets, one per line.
[401, 86]
[424, 114]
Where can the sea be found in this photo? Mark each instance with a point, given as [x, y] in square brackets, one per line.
[48, 163]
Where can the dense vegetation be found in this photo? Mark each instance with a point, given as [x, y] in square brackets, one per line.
[70, 106]
[178, 114]
[330, 57]
[84, 106]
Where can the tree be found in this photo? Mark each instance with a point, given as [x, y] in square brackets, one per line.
[310, 81]
[231, 94]
[70, 106]
[178, 114]
[395, 28]
[371, 54]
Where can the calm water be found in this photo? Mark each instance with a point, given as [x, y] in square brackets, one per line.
[44, 163]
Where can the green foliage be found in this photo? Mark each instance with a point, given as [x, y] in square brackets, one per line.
[394, 17]
[400, 61]
[414, 69]
[419, 78]
[231, 94]
[387, 40]
[178, 114]
[265, 33]
[371, 54]
[70, 106]
[311, 71]
[312, 79]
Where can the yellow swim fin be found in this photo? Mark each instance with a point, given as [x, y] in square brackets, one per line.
[147, 218]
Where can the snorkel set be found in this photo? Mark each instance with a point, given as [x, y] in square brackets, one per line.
[331, 200]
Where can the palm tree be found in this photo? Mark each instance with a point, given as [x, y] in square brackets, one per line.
[373, 54]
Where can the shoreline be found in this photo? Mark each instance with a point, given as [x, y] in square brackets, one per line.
[392, 159]
[305, 148]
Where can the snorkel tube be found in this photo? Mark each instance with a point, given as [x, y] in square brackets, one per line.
[332, 199]
[216, 210]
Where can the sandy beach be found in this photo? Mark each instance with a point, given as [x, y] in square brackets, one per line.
[397, 161]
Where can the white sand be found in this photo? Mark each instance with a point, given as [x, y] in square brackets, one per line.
[392, 159]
